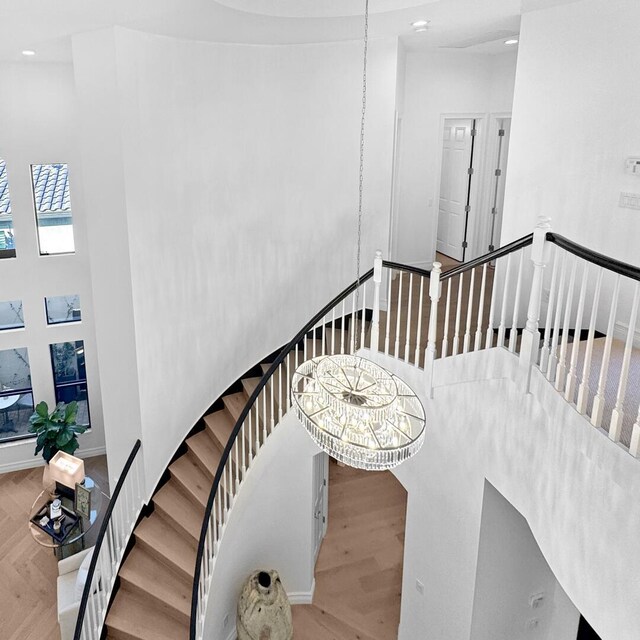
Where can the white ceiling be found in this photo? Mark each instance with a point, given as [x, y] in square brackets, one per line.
[47, 26]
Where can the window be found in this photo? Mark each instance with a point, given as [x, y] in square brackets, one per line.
[70, 376]
[7, 244]
[16, 397]
[52, 201]
[11, 315]
[62, 309]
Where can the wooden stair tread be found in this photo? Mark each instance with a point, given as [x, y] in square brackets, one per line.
[206, 451]
[162, 540]
[131, 617]
[249, 385]
[192, 479]
[235, 403]
[221, 424]
[144, 572]
[174, 504]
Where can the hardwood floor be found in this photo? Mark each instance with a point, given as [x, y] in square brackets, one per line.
[359, 568]
[28, 572]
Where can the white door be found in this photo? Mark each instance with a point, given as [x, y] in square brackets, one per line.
[457, 146]
[320, 503]
[503, 133]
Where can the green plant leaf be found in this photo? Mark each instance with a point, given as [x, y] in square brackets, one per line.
[64, 437]
[42, 409]
[71, 413]
[72, 446]
[78, 428]
[49, 452]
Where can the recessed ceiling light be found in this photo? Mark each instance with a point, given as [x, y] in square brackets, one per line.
[511, 41]
[420, 23]
[28, 52]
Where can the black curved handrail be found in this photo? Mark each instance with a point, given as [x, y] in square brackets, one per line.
[405, 267]
[622, 268]
[238, 426]
[520, 243]
[103, 531]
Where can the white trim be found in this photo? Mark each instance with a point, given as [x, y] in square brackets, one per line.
[38, 461]
[620, 333]
[232, 634]
[302, 597]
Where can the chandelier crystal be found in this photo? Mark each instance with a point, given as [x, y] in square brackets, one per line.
[358, 412]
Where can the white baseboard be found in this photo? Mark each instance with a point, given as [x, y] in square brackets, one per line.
[302, 597]
[620, 333]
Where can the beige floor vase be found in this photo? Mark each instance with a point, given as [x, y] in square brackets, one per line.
[264, 612]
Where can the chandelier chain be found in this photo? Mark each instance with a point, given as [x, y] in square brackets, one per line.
[361, 171]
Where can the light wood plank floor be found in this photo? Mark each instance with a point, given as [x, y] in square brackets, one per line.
[359, 568]
[28, 572]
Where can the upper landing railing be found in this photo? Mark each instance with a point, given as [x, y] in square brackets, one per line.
[529, 297]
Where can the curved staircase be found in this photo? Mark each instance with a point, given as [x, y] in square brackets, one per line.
[153, 599]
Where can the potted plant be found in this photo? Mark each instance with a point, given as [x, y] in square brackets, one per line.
[56, 430]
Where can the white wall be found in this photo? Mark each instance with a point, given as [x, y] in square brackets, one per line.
[510, 571]
[439, 83]
[575, 122]
[270, 526]
[576, 489]
[235, 186]
[37, 125]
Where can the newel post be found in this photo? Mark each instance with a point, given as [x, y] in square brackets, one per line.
[377, 280]
[530, 345]
[432, 336]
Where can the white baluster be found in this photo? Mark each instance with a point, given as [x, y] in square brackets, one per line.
[353, 328]
[546, 341]
[333, 331]
[342, 328]
[467, 332]
[598, 402]
[396, 349]
[561, 368]
[250, 439]
[553, 356]
[388, 316]
[408, 327]
[503, 312]
[419, 329]
[492, 306]
[478, 337]
[583, 388]
[617, 416]
[634, 447]
[430, 354]
[445, 332]
[362, 317]
[280, 402]
[456, 330]
[243, 442]
[575, 350]
[513, 335]
[263, 418]
[375, 320]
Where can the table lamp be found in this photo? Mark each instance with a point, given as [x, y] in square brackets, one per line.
[66, 470]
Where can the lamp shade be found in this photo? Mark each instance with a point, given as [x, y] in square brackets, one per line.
[66, 469]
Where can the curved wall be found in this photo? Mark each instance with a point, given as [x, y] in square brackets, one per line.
[222, 189]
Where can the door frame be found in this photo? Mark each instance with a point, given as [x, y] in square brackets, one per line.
[477, 186]
[481, 239]
[315, 552]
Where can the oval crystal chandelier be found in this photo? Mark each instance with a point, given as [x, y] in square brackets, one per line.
[355, 410]
[358, 412]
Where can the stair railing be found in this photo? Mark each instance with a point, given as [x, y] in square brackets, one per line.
[340, 327]
[118, 524]
[508, 299]
[590, 340]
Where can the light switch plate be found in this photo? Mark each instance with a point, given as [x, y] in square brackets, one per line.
[629, 200]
